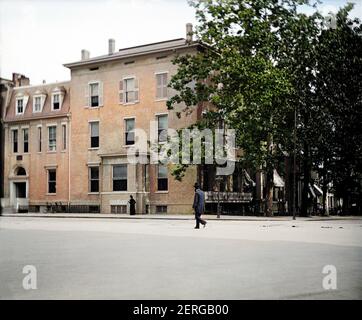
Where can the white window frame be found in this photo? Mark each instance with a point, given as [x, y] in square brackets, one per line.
[16, 105]
[100, 94]
[60, 101]
[48, 136]
[157, 115]
[23, 136]
[38, 96]
[123, 91]
[112, 176]
[90, 134]
[125, 130]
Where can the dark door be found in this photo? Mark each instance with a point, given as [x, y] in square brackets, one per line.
[20, 189]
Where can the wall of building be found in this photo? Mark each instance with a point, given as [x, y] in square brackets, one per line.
[111, 117]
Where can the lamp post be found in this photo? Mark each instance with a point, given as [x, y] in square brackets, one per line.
[218, 179]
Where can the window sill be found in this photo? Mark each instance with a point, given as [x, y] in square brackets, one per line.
[50, 151]
[93, 193]
[119, 192]
[93, 149]
[91, 108]
[128, 103]
[161, 99]
[50, 194]
[161, 191]
[128, 145]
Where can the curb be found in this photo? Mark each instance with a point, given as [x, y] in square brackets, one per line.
[186, 217]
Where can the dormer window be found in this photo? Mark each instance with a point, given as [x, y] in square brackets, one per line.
[37, 104]
[57, 98]
[21, 100]
[19, 106]
[56, 103]
[38, 101]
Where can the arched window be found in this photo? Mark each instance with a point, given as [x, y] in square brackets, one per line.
[20, 171]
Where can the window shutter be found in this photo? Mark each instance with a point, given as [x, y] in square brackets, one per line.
[100, 93]
[121, 100]
[87, 104]
[136, 89]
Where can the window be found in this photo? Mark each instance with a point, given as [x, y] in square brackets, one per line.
[162, 180]
[52, 181]
[26, 140]
[64, 136]
[161, 86]
[56, 101]
[161, 209]
[19, 106]
[119, 209]
[52, 138]
[128, 91]
[37, 104]
[93, 179]
[39, 139]
[94, 94]
[94, 134]
[120, 177]
[129, 134]
[162, 124]
[15, 140]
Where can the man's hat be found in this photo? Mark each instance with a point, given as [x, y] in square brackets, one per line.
[196, 185]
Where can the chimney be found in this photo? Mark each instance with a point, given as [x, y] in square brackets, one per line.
[20, 80]
[85, 54]
[189, 32]
[111, 46]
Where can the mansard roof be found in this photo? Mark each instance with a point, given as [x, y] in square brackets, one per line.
[30, 92]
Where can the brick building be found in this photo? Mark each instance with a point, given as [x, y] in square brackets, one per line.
[66, 143]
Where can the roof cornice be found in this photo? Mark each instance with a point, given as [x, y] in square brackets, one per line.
[117, 56]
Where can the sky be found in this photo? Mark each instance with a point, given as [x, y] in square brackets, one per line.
[38, 36]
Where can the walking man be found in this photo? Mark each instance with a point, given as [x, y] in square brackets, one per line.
[199, 206]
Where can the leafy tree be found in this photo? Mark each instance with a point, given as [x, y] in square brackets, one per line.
[338, 103]
[240, 74]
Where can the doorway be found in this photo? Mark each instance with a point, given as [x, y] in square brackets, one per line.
[20, 189]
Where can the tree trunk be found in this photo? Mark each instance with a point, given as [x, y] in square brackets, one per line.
[345, 203]
[306, 182]
[269, 192]
[324, 196]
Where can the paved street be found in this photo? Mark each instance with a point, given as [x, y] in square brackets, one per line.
[167, 259]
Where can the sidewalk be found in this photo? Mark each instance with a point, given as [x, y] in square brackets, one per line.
[174, 217]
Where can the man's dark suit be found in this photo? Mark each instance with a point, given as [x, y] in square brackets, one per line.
[199, 207]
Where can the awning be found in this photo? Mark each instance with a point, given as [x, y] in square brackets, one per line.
[278, 180]
[318, 190]
[248, 179]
